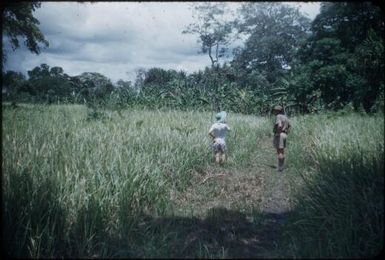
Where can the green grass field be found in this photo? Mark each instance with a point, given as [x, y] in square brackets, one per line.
[139, 183]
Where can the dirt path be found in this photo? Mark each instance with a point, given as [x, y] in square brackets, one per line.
[259, 185]
[244, 209]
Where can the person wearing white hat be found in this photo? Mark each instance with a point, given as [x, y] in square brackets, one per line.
[281, 129]
[218, 132]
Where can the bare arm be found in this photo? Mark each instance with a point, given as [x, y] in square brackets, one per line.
[277, 129]
[278, 126]
[288, 127]
[211, 133]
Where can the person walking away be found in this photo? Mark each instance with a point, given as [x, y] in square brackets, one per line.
[281, 129]
[218, 132]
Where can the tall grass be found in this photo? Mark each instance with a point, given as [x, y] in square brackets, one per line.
[79, 182]
[340, 210]
[75, 183]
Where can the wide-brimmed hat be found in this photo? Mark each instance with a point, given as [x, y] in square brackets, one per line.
[221, 117]
[277, 108]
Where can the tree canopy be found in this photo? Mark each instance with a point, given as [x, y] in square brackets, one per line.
[332, 62]
[275, 32]
[343, 59]
[19, 22]
[212, 28]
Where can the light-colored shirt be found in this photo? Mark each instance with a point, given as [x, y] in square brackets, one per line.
[282, 121]
[219, 131]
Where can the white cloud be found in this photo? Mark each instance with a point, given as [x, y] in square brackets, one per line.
[311, 9]
[115, 38]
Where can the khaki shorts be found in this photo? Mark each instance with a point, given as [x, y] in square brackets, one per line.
[279, 141]
[219, 145]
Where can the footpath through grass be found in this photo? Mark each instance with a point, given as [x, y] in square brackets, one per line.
[143, 184]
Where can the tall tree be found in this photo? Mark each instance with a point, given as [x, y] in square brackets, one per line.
[50, 84]
[18, 21]
[12, 83]
[93, 85]
[214, 30]
[348, 21]
[274, 32]
[344, 57]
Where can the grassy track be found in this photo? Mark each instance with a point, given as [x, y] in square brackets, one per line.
[143, 184]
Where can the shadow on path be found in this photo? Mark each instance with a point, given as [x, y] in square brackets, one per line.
[223, 233]
[214, 230]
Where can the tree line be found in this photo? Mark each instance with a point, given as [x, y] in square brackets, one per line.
[334, 61]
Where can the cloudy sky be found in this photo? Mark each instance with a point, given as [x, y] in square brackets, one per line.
[117, 38]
